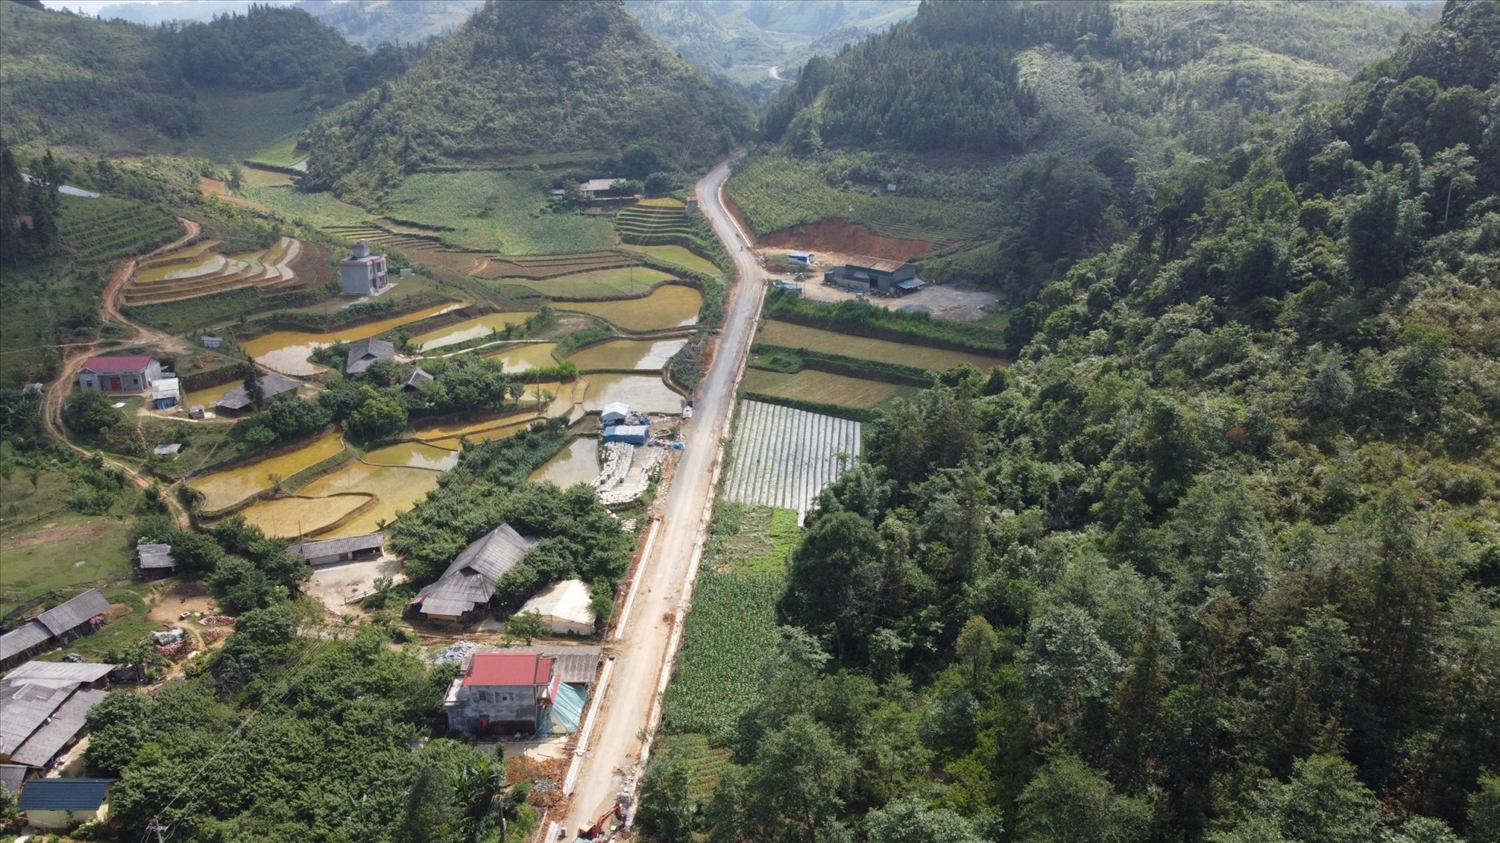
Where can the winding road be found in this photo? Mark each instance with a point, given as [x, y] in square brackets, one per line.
[109, 311]
[645, 641]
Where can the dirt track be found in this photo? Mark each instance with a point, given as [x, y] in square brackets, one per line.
[665, 576]
[109, 311]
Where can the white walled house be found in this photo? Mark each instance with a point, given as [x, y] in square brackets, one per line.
[364, 273]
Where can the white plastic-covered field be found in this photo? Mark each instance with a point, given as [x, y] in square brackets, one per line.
[784, 457]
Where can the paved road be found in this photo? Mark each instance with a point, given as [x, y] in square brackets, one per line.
[613, 755]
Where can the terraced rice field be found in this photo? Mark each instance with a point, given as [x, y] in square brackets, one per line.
[200, 270]
[223, 489]
[520, 358]
[643, 393]
[471, 329]
[789, 335]
[413, 455]
[643, 223]
[679, 256]
[670, 306]
[440, 432]
[643, 355]
[294, 517]
[287, 351]
[598, 283]
[537, 267]
[823, 388]
[577, 463]
[784, 457]
[395, 490]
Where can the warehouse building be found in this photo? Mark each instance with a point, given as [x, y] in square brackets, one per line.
[875, 275]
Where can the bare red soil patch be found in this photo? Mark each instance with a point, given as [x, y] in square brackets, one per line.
[836, 235]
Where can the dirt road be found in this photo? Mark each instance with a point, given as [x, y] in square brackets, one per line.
[612, 758]
[109, 311]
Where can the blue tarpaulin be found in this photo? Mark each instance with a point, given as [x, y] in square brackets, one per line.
[567, 709]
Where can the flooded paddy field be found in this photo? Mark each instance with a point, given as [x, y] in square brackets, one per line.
[395, 489]
[577, 463]
[222, 489]
[646, 355]
[643, 393]
[287, 518]
[206, 397]
[471, 329]
[521, 358]
[670, 306]
[413, 455]
[287, 351]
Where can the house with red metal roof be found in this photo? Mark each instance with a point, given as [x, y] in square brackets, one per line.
[503, 694]
[119, 375]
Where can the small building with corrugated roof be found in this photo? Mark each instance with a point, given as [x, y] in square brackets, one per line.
[53, 627]
[333, 551]
[464, 591]
[238, 399]
[365, 352]
[64, 803]
[154, 560]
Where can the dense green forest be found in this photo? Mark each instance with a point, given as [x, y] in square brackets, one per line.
[1217, 559]
[112, 86]
[527, 77]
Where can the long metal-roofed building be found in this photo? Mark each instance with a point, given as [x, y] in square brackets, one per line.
[334, 551]
[237, 399]
[365, 352]
[465, 589]
[875, 275]
[57, 625]
[45, 704]
[155, 560]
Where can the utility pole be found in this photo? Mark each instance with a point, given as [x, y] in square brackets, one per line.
[159, 830]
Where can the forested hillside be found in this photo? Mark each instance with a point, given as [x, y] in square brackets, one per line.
[111, 86]
[1045, 126]
[1217, 559]
[526, 77]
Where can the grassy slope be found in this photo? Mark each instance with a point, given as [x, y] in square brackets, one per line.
[47, 540]
[496, 211]
[238, 126]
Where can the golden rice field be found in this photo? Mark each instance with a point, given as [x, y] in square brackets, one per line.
[822, 388]
[789, 335]
[597, 283]
[223, 489]
[644, 355]
[669, 307]
[287, 351]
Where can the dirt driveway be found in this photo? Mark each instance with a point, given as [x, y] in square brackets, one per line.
[336, 586]
[958, 302]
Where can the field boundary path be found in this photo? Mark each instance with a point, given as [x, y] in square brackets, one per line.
[109, 311]
[645, 643]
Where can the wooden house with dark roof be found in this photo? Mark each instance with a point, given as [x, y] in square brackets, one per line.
[465, 589]
[365, 352]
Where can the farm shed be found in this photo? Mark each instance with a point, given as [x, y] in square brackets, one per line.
[57, 625]
[632, 434]
[464, 590]
[211, 342]
[363, 273]
[871, 275]
[165, 393]
[237, 399]
[502, 693]
[565, 606]
[615, 413]
[365, 352]
[802, 258]
[119, 375]
[418, 380]
[45, 704]
[167, 450]
[333, 551]
[154, 560]
[64, 803]
[593, 188]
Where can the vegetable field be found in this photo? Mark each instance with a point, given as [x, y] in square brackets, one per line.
[730, 633]
[784, 457]
[788, 335]
[822, 388]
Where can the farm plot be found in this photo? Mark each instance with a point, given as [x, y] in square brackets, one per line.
[823, 388]
[679, 256]
[493, 211]
[107, 228]
[784, 457]
[730, 634]
[598, 283]
[788, 335]
[200, 271]
[537, 267]
[670, 306]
